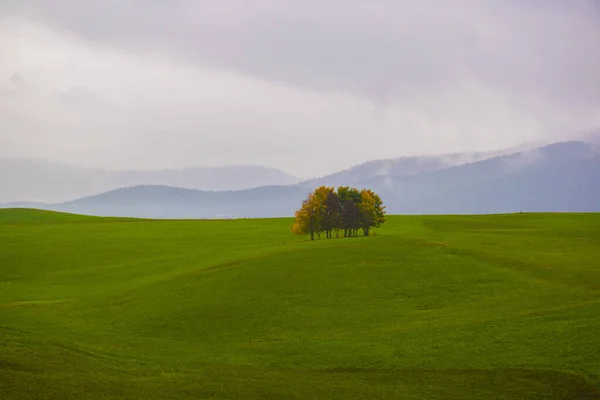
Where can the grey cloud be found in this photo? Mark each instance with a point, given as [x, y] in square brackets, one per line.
[386, 49]
[136, 84]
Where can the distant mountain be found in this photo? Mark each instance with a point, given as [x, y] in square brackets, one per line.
[558, 177]
[172, 202]
[37, 181]
[405, 166]
[23, 180]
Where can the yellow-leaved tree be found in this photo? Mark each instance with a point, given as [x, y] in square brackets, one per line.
[307, 220]
[371, 210]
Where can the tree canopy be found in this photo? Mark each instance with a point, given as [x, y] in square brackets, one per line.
[329, 211]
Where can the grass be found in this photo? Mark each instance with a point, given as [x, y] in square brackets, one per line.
[434, 307]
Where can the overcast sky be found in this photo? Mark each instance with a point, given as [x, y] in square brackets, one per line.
[307, 86]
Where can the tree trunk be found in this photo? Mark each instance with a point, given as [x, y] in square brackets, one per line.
[312, 236]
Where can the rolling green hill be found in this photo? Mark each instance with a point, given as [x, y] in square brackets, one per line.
[434, 307]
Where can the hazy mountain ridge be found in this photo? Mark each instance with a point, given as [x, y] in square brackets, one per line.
[38, 181]
[563, 176]
[151, 201]
[412, 165]
[558, 177]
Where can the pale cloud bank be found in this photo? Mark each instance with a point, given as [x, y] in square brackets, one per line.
[308, 87]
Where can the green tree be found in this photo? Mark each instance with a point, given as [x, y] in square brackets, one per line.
[331, 220]
[350, 217]
[320, 196]
[349, 213]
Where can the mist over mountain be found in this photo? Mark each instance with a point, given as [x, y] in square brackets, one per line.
[592, 136]
[390, 170]
[406, 166]
[559, 177]
[38, 181]
[562, 177]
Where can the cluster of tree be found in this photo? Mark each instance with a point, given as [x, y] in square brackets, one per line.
[326, 210]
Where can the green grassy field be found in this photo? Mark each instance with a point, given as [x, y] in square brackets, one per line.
[434, 307]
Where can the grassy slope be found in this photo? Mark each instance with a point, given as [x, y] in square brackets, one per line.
[432, 307]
